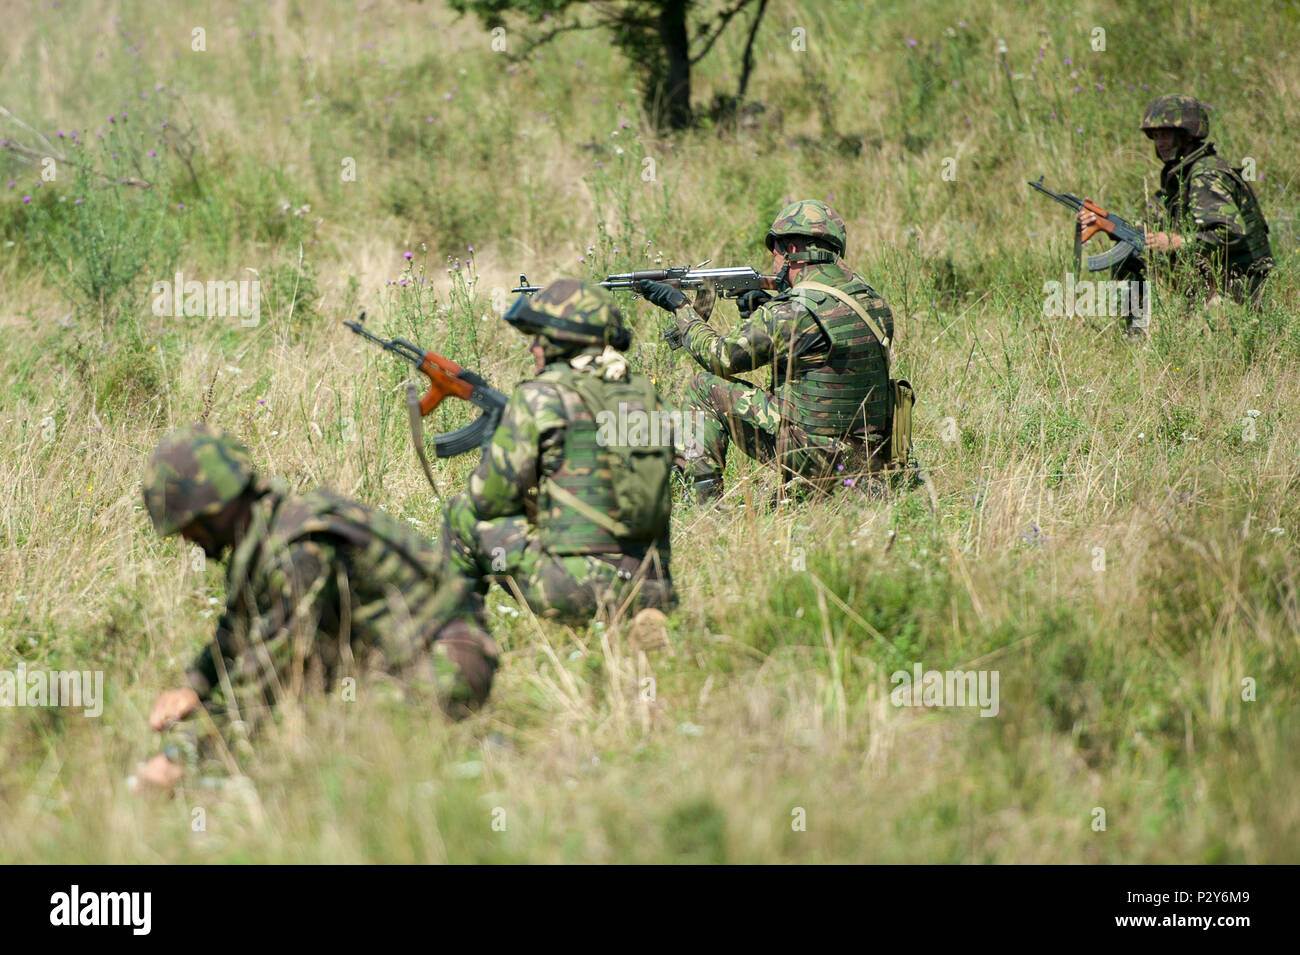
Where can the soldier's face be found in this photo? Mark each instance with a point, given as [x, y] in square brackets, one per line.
[778, 258]
[1166, 141]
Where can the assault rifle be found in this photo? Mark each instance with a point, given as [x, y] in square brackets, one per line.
[729, 282]
[446, 380]
[1128, 239]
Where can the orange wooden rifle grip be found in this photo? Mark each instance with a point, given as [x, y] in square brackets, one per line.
[444, 381]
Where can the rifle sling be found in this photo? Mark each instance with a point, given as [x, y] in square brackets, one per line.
[417, 430]
[881, 338]
[567, 497]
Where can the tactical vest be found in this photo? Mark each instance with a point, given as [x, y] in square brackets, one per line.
[610, 493]
[1255, 252]
[848, 393]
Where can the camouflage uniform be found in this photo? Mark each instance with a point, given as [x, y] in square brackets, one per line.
[1207, 201]
[547, 512]
[826, 414]
[318, 587]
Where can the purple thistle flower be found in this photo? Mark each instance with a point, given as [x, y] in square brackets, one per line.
[27, 198]
[406, 255]
[79, 202]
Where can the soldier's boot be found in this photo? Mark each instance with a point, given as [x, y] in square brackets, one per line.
[707, 489]
[1135, 329]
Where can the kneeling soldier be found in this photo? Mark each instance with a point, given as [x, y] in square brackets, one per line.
[570, 503]
[828, 414]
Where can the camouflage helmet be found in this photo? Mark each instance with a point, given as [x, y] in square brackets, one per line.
[571, 312]
[1176, 112]
[812, 218]
[194, 472]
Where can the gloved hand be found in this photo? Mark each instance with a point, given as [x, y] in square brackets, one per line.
[662, 294]
[751, 301]
[674, 338]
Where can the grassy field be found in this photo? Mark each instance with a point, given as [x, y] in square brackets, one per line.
[1116, 531]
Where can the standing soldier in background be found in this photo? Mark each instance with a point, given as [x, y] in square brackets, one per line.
[571, 500]
[828, 415]
[1207, 208]
[318, 587]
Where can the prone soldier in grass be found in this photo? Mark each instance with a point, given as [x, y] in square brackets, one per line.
[1206, 209]
[828, 417]
[318, 587]
[569, 506]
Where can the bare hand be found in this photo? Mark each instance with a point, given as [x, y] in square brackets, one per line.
[1163, 241]
[158, 773]
[171, 707]
[1086, 217]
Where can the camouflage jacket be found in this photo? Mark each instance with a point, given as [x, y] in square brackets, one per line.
[789, 332]
[321, 564]
[529, 450]
[1215, 209]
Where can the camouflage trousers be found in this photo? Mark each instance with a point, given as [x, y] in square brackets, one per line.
[720, 412]
[572, 588]
[455, 670]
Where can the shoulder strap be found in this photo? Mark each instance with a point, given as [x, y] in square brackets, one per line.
[564, 496]
[862, 313]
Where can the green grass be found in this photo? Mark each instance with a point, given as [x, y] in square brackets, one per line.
[1111, 535]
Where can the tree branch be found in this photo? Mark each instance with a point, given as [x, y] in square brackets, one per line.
[51, 154]
[723, 19]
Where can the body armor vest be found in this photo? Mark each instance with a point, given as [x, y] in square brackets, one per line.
[848, 393]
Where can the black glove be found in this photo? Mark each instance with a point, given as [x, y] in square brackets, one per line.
[662, 294]
[674, 338]
[751, 300]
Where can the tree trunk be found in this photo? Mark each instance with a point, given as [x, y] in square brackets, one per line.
[674, 93]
